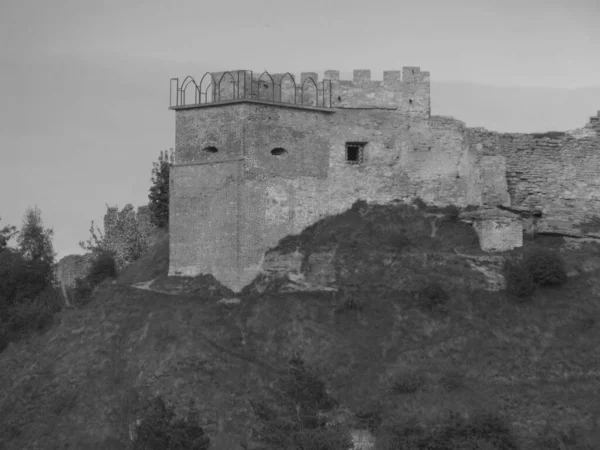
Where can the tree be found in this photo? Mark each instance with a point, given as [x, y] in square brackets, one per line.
[6, 234]
[159, 191]
[35, 244]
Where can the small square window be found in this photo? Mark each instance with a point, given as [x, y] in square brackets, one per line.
[354, 152]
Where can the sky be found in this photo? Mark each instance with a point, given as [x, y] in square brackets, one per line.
[84, 85]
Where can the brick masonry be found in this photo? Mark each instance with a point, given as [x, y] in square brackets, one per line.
[229, 206]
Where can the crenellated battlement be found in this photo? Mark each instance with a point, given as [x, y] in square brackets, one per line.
[407, 90]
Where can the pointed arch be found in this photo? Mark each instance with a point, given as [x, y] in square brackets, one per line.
[184, 94]
[308, 93]
[287, 93]
[207, 88]
[263, 88]
[224, 92]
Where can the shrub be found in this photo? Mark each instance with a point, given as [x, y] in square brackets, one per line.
[349, 301]
[296, 418]
[419, 203]
[407, 383]
[452, 380]
[103, 267]
[519, 281]
[452, 212]
[546, 267]
[369, 417]
[158, 430]
[434, 297]
[82, 291]
[19, 278]
[482, 431]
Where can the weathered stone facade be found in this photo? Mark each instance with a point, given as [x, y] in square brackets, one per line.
[248, 172]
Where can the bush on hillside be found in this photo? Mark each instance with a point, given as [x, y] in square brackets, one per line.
[419, 203]
[519, 281]
[295, 419]
[452, 212]
[159, 430]
[102, 268]
[28, 300]
[406, 383]
[29, 315]
[545, 266]
[433, 297]
[482, 431]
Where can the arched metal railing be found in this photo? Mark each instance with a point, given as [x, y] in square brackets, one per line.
[245, 85]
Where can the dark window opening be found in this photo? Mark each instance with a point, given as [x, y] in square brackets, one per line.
[339, 98]
[278, 151]
[211, 149]
[354, 152]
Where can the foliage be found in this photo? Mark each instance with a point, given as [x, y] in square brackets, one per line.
[481, 431]
[35, 244]
[19, 278]
[295, 420]
[349, 300]
[95, 243]
[159, 430]
[452, 212]
[28, 299]
[28, 315]
[406, 383]
[103, 267]
[159, 191]
[82, 291]
[125, 236]
[419, 203]
[452, 380]
[540, 266]
[519, 281]
[6, 234]
[433, 297]
[545, 266]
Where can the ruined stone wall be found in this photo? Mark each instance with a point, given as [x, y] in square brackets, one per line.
[554, 172]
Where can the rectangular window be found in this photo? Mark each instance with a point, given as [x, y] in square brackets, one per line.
[354, 152]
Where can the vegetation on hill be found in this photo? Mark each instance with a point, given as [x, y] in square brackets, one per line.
[27, 297]
[159, 191]
[409, 348]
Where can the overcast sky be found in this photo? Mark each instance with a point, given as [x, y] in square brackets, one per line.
[84, 85]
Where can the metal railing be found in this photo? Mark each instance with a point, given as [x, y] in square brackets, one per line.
[244, 85]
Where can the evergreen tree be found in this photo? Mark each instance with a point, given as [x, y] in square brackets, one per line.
[35, 243]
[159, 191]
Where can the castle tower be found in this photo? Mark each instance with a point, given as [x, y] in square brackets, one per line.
[262, 156]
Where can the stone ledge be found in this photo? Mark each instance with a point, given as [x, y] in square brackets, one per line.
[257, 102]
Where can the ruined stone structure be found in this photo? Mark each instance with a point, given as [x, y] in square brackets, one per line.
[261, 157]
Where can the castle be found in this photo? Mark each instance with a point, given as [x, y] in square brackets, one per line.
[262, 156]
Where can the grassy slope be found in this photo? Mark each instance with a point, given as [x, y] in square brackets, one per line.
[536, 362]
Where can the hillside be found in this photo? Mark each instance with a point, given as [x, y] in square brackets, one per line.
[411, 333]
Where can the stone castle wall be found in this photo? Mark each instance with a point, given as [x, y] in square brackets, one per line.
[557, 173]
[229, 204]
